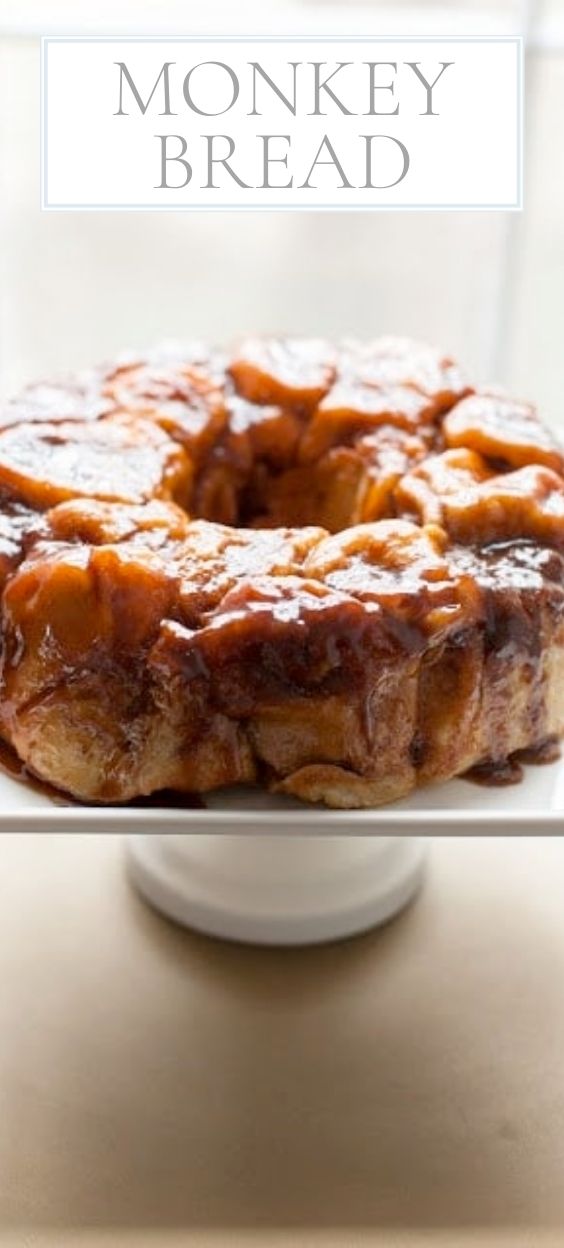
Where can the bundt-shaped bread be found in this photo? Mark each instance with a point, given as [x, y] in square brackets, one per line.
[334, 571]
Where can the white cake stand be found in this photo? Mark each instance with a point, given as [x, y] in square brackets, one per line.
[282, 889]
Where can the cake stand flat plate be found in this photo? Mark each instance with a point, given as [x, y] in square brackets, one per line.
[456, 808]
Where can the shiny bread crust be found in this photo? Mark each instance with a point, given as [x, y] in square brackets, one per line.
[336, 571]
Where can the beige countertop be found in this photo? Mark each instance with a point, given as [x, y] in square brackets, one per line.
[404, 1089]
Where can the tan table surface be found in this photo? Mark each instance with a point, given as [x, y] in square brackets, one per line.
[404, 1089]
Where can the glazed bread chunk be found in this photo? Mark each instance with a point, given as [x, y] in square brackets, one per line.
[333, 570]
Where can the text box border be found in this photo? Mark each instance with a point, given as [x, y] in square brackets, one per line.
[47, 206]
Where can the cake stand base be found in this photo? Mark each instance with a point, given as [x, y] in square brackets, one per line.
[276, 890]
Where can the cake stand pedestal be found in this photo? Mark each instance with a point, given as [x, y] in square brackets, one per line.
[283, 889]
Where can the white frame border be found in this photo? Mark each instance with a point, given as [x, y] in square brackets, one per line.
[46, 206]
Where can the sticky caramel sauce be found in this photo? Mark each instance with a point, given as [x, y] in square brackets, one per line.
[496, 773]
[548, 751]
[169, 798]
[13, 767]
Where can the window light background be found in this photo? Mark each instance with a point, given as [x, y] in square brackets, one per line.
[76, 287]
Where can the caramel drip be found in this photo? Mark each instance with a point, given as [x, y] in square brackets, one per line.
[500, 772]
[340, 566]
[13, 767]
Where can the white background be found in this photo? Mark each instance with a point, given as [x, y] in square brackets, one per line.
[77, 287]
[467, 155]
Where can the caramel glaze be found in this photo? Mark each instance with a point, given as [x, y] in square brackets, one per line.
[501, 772]
[426, 526]
[496, 774]
[13, 767]
[491, 774]
[170, 798]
